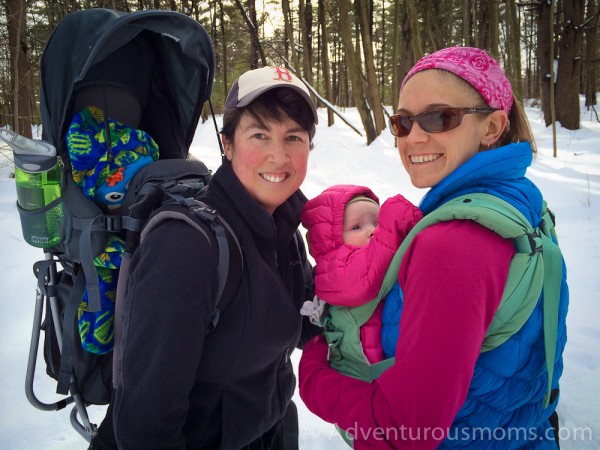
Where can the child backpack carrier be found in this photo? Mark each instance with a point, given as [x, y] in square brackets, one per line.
[535, 268]
[121, 96]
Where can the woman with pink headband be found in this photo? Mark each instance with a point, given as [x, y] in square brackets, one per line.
[459, 131]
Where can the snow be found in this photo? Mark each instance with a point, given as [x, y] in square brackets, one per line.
[570, 183]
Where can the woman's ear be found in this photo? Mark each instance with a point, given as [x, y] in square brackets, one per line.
[227, 147]
[497, 123]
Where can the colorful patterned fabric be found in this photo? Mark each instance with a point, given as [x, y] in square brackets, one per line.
[104, 174]
[474, 66]
[96, 329]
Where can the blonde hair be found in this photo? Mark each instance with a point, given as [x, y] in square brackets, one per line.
[518, 128]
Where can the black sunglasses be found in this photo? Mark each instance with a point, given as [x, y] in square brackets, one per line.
[435, 121]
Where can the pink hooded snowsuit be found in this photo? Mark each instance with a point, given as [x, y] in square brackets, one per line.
[350, 275]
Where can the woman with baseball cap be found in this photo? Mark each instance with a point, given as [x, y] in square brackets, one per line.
[459, 131]
[230, 388]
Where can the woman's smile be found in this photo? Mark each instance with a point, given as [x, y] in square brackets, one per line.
[424, 159]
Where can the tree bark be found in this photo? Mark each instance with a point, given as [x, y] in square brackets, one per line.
[325, 58]
[395, 55]
[513, 49]
[494, 27]
[432, 25]
[257, 50]
[407, 57]
[289, 34]
[569, 66]
[591, 54]
[358, 90]
[372, 86]
[305, 13]
[417, 48]
[467, 28]
[544, 57]
[19, 56]
[223, 49]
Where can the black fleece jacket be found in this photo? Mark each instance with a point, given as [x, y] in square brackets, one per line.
[180, 388]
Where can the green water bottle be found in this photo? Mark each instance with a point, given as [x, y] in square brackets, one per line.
[37, 177]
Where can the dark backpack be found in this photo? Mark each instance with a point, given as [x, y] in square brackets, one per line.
[152, 71]
[163, 190]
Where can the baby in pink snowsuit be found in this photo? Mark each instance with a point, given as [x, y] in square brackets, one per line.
[353, 241]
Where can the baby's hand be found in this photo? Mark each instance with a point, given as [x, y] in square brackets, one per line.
[398, 215]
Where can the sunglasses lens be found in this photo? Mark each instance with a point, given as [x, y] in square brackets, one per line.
[439, 120]
[400, 125]
[436, 121]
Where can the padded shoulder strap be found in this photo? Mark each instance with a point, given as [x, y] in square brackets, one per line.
[207, 221]
[535, 268]
[489, 211]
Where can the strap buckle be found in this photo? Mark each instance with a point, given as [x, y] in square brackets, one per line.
[113, 224]
[536, 247]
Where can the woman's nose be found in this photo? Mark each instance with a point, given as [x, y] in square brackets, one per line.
[417, 134]
[278, 153]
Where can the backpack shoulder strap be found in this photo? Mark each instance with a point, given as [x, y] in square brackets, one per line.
[212, 225]
[217, 231]
[535, 269]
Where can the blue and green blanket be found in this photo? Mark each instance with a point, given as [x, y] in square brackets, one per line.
[103, 172]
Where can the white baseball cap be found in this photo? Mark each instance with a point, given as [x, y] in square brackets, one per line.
[258, 81]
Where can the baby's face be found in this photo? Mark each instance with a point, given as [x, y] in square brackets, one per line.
[360, 221]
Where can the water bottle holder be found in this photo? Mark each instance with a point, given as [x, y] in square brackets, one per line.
[44, 227]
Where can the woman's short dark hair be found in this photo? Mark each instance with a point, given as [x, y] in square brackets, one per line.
[276, 105]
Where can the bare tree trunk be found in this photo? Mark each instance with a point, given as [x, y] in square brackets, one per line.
[372, 87]
[223, 49]
[569, 66]
[532, 88]
[417, 48]
[19, 56]
[591, 54]
[431, 25]
[289, 33]
[467, 24]
[482, 25]
[257, 50]
[325, 58]
[305, 13]
[395, 55]
[513, 50]
[407, 58]
[358, 91]
[493, 27]
[544, 57]
[552, 82]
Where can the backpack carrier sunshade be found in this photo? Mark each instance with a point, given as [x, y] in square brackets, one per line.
[150, 69]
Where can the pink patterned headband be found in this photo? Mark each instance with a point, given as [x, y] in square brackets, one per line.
[474, 66]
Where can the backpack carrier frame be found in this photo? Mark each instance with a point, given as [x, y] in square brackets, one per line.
[153, 69]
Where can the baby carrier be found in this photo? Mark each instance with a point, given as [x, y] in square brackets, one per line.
[121, 96]
[535, 269]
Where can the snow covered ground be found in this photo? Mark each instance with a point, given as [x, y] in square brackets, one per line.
[570, 183]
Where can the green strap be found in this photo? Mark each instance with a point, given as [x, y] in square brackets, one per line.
[552, 286]
[375, 370]
[504, 219]
[535, 268]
